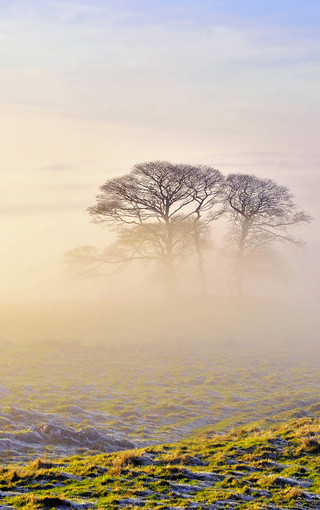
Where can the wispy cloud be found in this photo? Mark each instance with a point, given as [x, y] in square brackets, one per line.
[32, 209]
[59, 167]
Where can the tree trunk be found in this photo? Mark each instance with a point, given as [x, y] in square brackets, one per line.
[240, 258]
[239, 272]
[171, 276]
[202, 273]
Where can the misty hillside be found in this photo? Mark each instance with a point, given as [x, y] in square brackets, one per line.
[61, 398]
[94, 425]
[247, 468]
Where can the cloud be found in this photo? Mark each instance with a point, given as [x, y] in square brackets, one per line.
[36, 209]
[58, 167]
[78, 11]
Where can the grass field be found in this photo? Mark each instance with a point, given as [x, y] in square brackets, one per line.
[248, 468]
[58, 399]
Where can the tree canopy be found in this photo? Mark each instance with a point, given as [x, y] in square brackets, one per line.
[261, 212]
[162, 212]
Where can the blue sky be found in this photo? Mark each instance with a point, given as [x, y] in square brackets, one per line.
[293, 13]
[281, 12]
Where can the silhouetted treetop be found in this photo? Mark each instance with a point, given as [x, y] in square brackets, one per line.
[157, 190]
[261, 212]
[160, 210]
[263, 205]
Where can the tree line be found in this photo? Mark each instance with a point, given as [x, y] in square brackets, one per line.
[163, 212]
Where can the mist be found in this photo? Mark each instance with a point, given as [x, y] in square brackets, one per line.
[141, 313]
[159, 218]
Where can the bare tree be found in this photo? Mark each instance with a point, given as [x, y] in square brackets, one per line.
[261, 213]
[160, 211]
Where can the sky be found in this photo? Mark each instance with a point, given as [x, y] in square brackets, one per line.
[88, 89]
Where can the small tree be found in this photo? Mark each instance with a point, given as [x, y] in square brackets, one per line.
[160, 211]
[261, 213]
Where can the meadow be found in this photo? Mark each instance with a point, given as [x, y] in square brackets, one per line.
[247, 468]
[60, 399]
